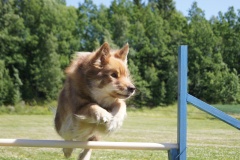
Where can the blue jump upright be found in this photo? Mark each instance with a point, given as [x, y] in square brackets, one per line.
[183, 99]
[182, 102]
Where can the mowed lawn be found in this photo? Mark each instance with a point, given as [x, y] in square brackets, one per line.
[208, 138]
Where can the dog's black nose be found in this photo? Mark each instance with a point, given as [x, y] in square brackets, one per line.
[131, 89]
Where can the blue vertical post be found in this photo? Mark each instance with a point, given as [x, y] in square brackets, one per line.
[182, 103]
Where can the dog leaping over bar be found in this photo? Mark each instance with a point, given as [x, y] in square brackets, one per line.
[92, 101]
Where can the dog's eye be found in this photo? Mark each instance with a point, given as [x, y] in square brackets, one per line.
[114, 75]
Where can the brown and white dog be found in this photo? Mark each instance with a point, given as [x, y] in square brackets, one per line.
[92, 101]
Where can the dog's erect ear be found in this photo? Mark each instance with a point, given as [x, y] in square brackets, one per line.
[122, 53]
[102, 55]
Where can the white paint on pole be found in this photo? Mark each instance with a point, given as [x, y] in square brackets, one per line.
[88, 144]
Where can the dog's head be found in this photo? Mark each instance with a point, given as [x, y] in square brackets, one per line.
[102, 75]
[108, 75]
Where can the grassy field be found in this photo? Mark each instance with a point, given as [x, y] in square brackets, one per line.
[208, 138]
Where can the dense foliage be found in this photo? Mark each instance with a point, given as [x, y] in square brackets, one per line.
[39, 37]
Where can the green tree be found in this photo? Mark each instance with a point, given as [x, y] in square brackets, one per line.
[227, 26]
[156, 86]
[12, 33]
[66, 32]
[89, 28]
[43, 76]
[6, 85]
[208, 73]
[142, 93]
[120, 29]
[46, 70]
[138, 3]
[165, 7]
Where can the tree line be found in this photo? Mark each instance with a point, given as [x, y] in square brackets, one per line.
[39, 37]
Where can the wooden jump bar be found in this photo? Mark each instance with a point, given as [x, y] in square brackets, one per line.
[88, 144]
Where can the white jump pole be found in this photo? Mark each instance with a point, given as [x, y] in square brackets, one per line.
[88, 144]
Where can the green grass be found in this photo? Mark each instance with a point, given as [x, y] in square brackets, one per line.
[231, 109]
[26, 109]
[208, 138]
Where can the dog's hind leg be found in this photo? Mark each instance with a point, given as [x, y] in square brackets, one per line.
[67, 151]
[86, 153]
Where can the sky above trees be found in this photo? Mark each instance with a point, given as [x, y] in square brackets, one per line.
[210, 8]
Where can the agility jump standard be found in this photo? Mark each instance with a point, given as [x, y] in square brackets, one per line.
[176, 151]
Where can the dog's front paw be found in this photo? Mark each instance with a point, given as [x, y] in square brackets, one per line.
[98, 118]
[103, 117]
[115, 123]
